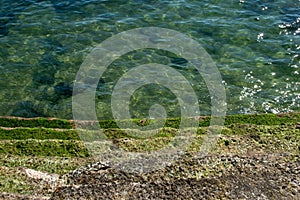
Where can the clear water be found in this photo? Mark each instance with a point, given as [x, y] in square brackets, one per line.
[254, 43]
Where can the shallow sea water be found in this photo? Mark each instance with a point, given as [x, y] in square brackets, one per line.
[255, 45]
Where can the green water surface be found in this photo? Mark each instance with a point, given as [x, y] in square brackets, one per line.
[255, 45]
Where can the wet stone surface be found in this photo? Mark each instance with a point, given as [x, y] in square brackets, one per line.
[211, 177]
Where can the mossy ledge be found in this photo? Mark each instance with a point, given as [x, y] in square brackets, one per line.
[257, 119]
[35, 122]
[58, 137]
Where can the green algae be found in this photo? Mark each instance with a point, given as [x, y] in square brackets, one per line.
[51, 164]
[37, 133]
[14, 182]
[258, 119]
[62, 148]
[35, 122]
[261, 128]
[263, 119]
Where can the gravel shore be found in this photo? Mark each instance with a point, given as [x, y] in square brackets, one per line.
[272, 176]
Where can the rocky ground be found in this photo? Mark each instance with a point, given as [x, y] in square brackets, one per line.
[257, 160]
[211, 177]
